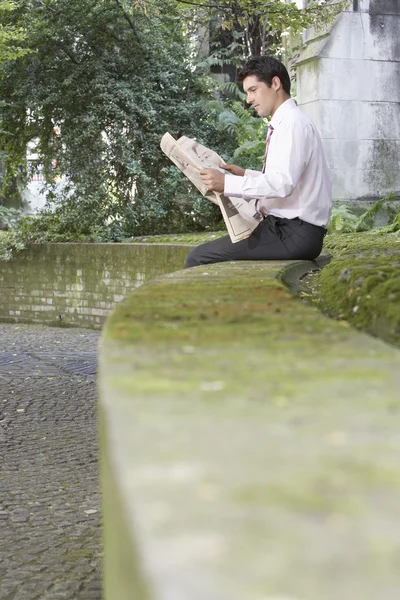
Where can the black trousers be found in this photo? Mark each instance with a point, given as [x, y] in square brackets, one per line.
[274, 239]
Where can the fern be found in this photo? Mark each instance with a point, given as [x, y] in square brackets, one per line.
[211, 61]
[366, 221]
[243, 114]
[342, 219]
[255, 148]
[230, 88]
[395, 223]
[216, 105]
[393, 227]
[228, 117]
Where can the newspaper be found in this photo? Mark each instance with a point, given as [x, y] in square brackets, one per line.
[190, 157]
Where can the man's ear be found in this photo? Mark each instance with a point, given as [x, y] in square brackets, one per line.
[276, 83]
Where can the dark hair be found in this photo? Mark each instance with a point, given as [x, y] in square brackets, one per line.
[265, 68]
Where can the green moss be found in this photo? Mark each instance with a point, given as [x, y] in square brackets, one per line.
[336, 486]
[203, 331]
[181, 238]
[361, 243]
[362, 283]
[242, 422]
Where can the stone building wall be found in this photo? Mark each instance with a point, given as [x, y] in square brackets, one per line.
[348, 81]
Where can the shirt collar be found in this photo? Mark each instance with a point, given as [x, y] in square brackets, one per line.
[281, 111]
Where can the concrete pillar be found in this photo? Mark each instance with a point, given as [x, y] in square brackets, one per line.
[348, 81]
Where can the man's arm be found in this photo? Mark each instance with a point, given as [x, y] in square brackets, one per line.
[287, 160]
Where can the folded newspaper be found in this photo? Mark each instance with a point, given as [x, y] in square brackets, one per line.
[190, 157]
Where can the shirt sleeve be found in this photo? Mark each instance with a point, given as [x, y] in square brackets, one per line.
[252, 172]
[288, 156]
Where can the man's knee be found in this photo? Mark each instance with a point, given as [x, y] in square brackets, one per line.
[207, 253]
[192, 259]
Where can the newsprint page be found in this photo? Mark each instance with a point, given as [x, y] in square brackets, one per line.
[190, 157]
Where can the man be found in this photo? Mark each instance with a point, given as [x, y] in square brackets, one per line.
[292, 195]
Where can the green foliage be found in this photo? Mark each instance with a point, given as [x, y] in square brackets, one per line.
[250, 132]
[394, 225]
[110, 83]
[9, 217]
[10, 241]
[241, 124]
[342, 220]
[383, 208]
[345, 221]
[96, 83]
[11, 36]
[279, 16]
[253, 27]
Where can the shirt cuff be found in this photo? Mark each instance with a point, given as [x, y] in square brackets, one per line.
[233, 185]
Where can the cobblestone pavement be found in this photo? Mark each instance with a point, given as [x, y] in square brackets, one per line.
[50, 531]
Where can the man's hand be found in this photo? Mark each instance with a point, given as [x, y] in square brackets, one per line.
[213, 180]
[234, 169]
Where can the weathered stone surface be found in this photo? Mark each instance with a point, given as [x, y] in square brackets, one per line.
[50, 538]
[348, 81]
[78, 284]
[249, 444]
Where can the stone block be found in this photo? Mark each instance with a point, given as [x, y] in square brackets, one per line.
[364, 183]
[362, 154]
[357, 80]
[384, 7]
[356, 120]
[358, 36]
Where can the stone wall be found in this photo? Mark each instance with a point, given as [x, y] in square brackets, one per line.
[348, 81]
[79, 284]
[248, 444]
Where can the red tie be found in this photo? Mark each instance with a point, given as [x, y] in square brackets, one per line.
[269, 135]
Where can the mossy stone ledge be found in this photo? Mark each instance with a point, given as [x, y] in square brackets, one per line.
[362, 283]
[250, 446]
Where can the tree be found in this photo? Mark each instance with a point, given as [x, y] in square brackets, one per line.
[96, 83]
[251, 27]
[98, 89]
[11, 36]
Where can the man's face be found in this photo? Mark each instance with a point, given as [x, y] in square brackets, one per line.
[262, 97]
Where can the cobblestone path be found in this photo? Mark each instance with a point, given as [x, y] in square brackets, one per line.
[50, 532]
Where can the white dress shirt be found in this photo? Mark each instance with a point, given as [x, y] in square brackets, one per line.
[296, 182]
